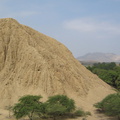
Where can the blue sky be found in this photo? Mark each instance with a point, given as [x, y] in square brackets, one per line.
[83, 26]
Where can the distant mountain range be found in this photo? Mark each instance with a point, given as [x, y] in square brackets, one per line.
[100, 57]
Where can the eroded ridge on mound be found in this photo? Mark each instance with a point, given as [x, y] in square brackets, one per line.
[33, 63]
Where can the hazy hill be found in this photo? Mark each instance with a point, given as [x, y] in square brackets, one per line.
[33, 63]
[100, 57]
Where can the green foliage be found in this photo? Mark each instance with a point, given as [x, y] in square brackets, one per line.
[80, 112]
[117, 82]
[105, 66]
[41, 111]
[109, 72]
[55, 110]
[55, 106]
[59, 105]
[62, 100]
[110, 105]
[26, 106]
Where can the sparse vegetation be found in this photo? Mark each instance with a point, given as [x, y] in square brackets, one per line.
[110, 105]
[80, 112]
[55, 107]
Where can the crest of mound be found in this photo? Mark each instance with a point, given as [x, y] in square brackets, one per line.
[33, 63]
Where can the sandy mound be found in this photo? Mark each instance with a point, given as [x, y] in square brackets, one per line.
[33, 63]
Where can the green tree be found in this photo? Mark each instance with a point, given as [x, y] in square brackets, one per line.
[111, 77]
[26, 106]
[55, 106]
[117, 82]
[42, 110]
[105, 66]
[59, 105]
[109, 72]
[117, 69]
[55, 110]
[110, 105]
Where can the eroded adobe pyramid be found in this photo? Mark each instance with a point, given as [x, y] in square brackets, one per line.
[33, 63]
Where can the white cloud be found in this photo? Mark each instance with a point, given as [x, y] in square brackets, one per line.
[92, 25]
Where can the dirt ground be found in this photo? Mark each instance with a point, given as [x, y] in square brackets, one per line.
[4, 115]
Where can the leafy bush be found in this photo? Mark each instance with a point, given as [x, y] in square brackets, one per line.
[110, 105]
[55, 106]
[59, 105]
[79, 112]
[63, 101]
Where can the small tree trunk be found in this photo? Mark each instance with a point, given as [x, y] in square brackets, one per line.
[30, 117]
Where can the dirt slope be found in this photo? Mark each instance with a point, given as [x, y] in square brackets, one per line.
[33, 63]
